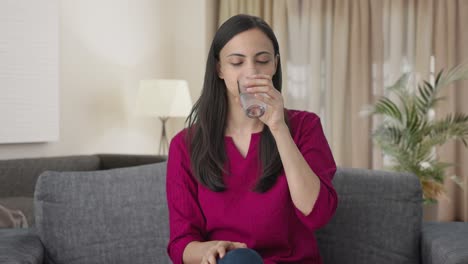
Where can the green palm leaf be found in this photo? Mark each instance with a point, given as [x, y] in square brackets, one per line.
[453, 126]
[386, 107]
[459, 72]
[408, 136]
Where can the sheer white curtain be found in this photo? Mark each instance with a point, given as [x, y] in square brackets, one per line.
[329, 72]
[424, 37]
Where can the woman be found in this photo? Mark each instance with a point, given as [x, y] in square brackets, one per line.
[247, 190]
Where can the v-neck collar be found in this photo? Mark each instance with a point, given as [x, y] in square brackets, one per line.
[253, 141]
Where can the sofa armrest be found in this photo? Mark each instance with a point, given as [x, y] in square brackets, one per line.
[18, 246]
[444, 243]
[112, 161]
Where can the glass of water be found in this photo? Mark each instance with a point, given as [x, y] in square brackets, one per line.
[253, 107]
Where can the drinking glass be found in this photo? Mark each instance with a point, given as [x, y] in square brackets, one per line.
[253, 107]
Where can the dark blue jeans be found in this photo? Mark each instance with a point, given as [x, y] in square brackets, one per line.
[241, 256]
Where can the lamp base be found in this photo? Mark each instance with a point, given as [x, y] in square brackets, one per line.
[163, 142]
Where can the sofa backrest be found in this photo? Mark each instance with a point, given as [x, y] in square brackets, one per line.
[107, 216]
[122, 214]
[18, 176]
[378, 219]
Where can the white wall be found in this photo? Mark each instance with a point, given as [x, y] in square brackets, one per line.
[106, 47]
[192, 36]
[29, 71]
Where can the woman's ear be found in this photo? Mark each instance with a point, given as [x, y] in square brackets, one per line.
[218, 70]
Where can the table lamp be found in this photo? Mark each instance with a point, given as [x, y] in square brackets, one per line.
[164, 99]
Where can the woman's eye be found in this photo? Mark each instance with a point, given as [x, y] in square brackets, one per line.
[236, 63]
[263, 62]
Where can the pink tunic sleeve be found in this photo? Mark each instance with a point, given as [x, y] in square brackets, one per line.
[185, 216]
[313, 145]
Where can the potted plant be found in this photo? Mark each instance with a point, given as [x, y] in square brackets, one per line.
[409, 131]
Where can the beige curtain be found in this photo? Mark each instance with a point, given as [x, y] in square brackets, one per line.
[329, 71]
[415, 31]
[450, 47]
[272, 11]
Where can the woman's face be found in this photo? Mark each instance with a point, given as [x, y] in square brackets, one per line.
[251, 49]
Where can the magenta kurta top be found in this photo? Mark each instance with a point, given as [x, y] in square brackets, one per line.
[267, 222]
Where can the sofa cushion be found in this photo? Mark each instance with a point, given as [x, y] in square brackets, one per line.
[445, 243]
[20, 246]
[23, 204]
[378, 219]
[10, 218]
[107, 216]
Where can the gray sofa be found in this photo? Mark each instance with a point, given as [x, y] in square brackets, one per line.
[18, 176]
[112, 209]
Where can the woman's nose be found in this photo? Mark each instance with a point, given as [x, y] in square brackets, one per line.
[251, 65]
[251, 71]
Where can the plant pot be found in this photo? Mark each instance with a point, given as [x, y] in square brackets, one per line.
[430, 212]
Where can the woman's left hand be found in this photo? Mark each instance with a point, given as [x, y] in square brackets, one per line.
[262, 87]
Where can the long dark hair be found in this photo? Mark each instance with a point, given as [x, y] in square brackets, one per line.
[207, 120]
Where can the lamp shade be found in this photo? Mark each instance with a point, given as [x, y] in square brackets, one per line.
[168, 98]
